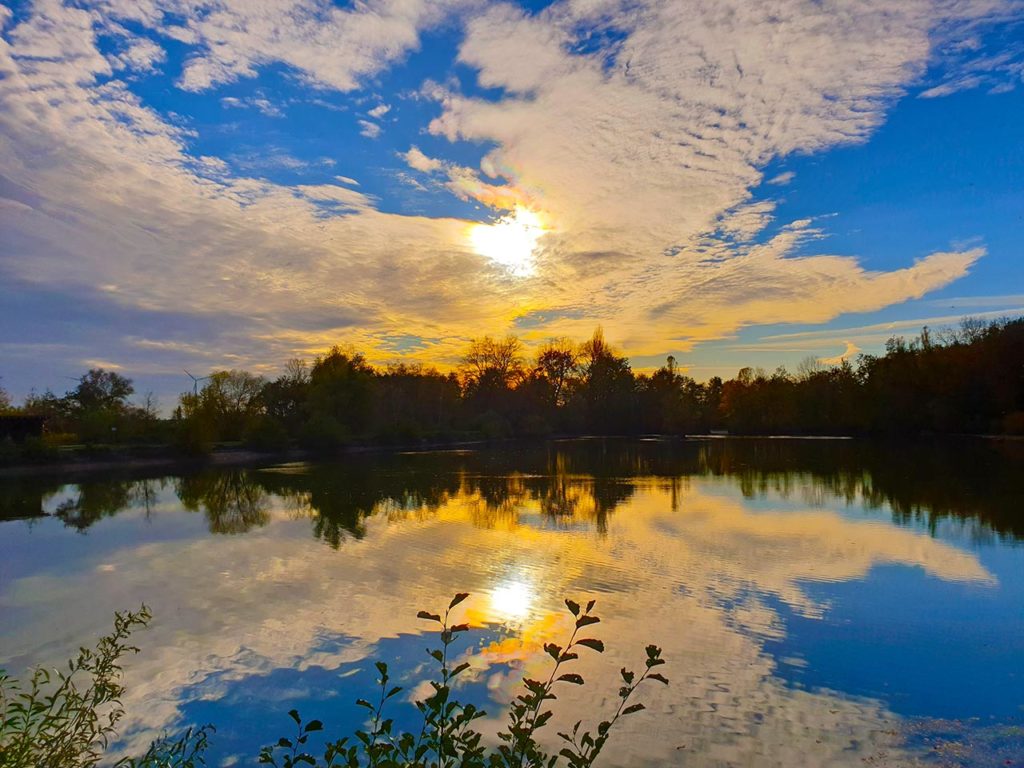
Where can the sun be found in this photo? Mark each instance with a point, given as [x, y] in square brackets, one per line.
[510, 241]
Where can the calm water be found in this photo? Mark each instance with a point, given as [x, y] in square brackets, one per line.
[819, 603]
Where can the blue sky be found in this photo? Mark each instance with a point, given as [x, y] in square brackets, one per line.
[213, 184]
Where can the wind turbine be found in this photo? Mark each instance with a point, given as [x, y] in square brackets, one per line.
[195, 382]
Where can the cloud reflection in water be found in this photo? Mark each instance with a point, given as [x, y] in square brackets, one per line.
[689, 563]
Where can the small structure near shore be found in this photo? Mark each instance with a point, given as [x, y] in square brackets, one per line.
[20, 427]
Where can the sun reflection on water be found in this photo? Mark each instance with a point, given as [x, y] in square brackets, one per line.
[512, 601]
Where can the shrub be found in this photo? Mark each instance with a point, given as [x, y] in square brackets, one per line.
[326, 434]
[266, 434]
[53, 723]
[195, 436]
[38, 450]
[1013, 423]
[65, 728]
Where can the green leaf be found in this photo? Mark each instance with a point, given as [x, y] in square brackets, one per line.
[573, 607]
[590, 605]
[294, 715]
[283, 742]
[586, 621]
[313, 725]
[627, 675]
[590, 642]
[571, 677]
[659, 678]
[428, 616]
[633, 708]
[457, 599]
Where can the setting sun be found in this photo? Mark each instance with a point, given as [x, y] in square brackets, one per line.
[510, 241]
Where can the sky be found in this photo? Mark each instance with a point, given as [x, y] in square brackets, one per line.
[213, 184]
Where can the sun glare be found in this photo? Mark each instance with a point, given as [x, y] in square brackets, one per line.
[510, 241]
[512, 601]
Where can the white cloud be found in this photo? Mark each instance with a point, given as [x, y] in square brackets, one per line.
[963, 69]
[379, 111]
[420, 162]
[260, 103]
[141, 55]
[330, 46]
[369, 130]
[782, 179]
[851, 350]
[640, 159]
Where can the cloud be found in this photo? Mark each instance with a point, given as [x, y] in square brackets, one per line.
[275, 158]
[379, 111]
[892, 328]
[639, 157]
[140, 55]
[420, 162]
[966, 68]
[327, 45]
[851, 350]
[252, 102]
[781, 179]
[369, 130]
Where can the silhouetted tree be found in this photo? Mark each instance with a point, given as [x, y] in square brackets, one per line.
[558, 362]
[100, 390]
[339, 400]
[969, 379]
[606, 388]
[228, 404]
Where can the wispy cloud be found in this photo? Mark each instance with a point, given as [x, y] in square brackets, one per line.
[253, 102]
[782, 179]
[369, 129]
[851, 350]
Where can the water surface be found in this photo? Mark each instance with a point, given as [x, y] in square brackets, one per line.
[819, 603]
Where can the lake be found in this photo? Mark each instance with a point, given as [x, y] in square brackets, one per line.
[819, 603]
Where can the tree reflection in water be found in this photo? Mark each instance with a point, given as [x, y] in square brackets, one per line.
[571, 482]
[233, 501]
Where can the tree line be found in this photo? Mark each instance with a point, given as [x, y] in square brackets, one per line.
[964, 380]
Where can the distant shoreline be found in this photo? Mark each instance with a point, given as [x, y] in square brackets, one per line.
[133, 459]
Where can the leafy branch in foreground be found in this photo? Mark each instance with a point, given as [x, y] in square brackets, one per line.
[52, 722]
[447, 738]
[67, 718]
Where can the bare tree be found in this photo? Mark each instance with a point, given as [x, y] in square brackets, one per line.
[499, 360]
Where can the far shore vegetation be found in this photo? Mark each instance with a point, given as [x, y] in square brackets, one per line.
[968, 380]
